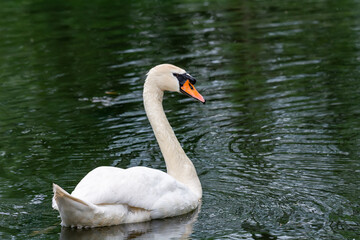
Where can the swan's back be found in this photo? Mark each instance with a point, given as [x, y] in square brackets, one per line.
[161, 195]
[121, 195]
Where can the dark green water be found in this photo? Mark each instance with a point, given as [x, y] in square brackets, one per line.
[276, 146]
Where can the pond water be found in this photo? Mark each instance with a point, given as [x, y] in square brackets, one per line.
[276, 146]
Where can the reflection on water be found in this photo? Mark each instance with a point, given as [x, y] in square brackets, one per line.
[276, 145]
[172, 228]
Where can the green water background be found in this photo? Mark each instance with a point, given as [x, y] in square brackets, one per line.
[276, 146]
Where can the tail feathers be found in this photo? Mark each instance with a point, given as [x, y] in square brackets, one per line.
[73, 211]
[60, 193]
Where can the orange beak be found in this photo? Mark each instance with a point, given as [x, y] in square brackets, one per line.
[190, 90]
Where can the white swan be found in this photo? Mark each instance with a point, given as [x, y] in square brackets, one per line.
[110, 196]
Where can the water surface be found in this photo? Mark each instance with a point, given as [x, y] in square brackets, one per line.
[276, 145]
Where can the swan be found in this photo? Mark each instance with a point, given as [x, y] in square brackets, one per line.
[109, 196]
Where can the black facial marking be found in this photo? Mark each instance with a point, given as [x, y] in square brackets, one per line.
[183, 77]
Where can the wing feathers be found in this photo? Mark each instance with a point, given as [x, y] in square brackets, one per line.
[108, 196]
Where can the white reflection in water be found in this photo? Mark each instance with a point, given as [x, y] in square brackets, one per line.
[179, 227]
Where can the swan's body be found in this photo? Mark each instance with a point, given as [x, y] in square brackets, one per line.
[110, 196]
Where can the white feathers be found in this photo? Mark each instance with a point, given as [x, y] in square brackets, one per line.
[140, 187]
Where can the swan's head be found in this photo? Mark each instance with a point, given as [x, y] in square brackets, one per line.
[168, 77]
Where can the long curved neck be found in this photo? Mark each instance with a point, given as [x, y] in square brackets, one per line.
[178, 165]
